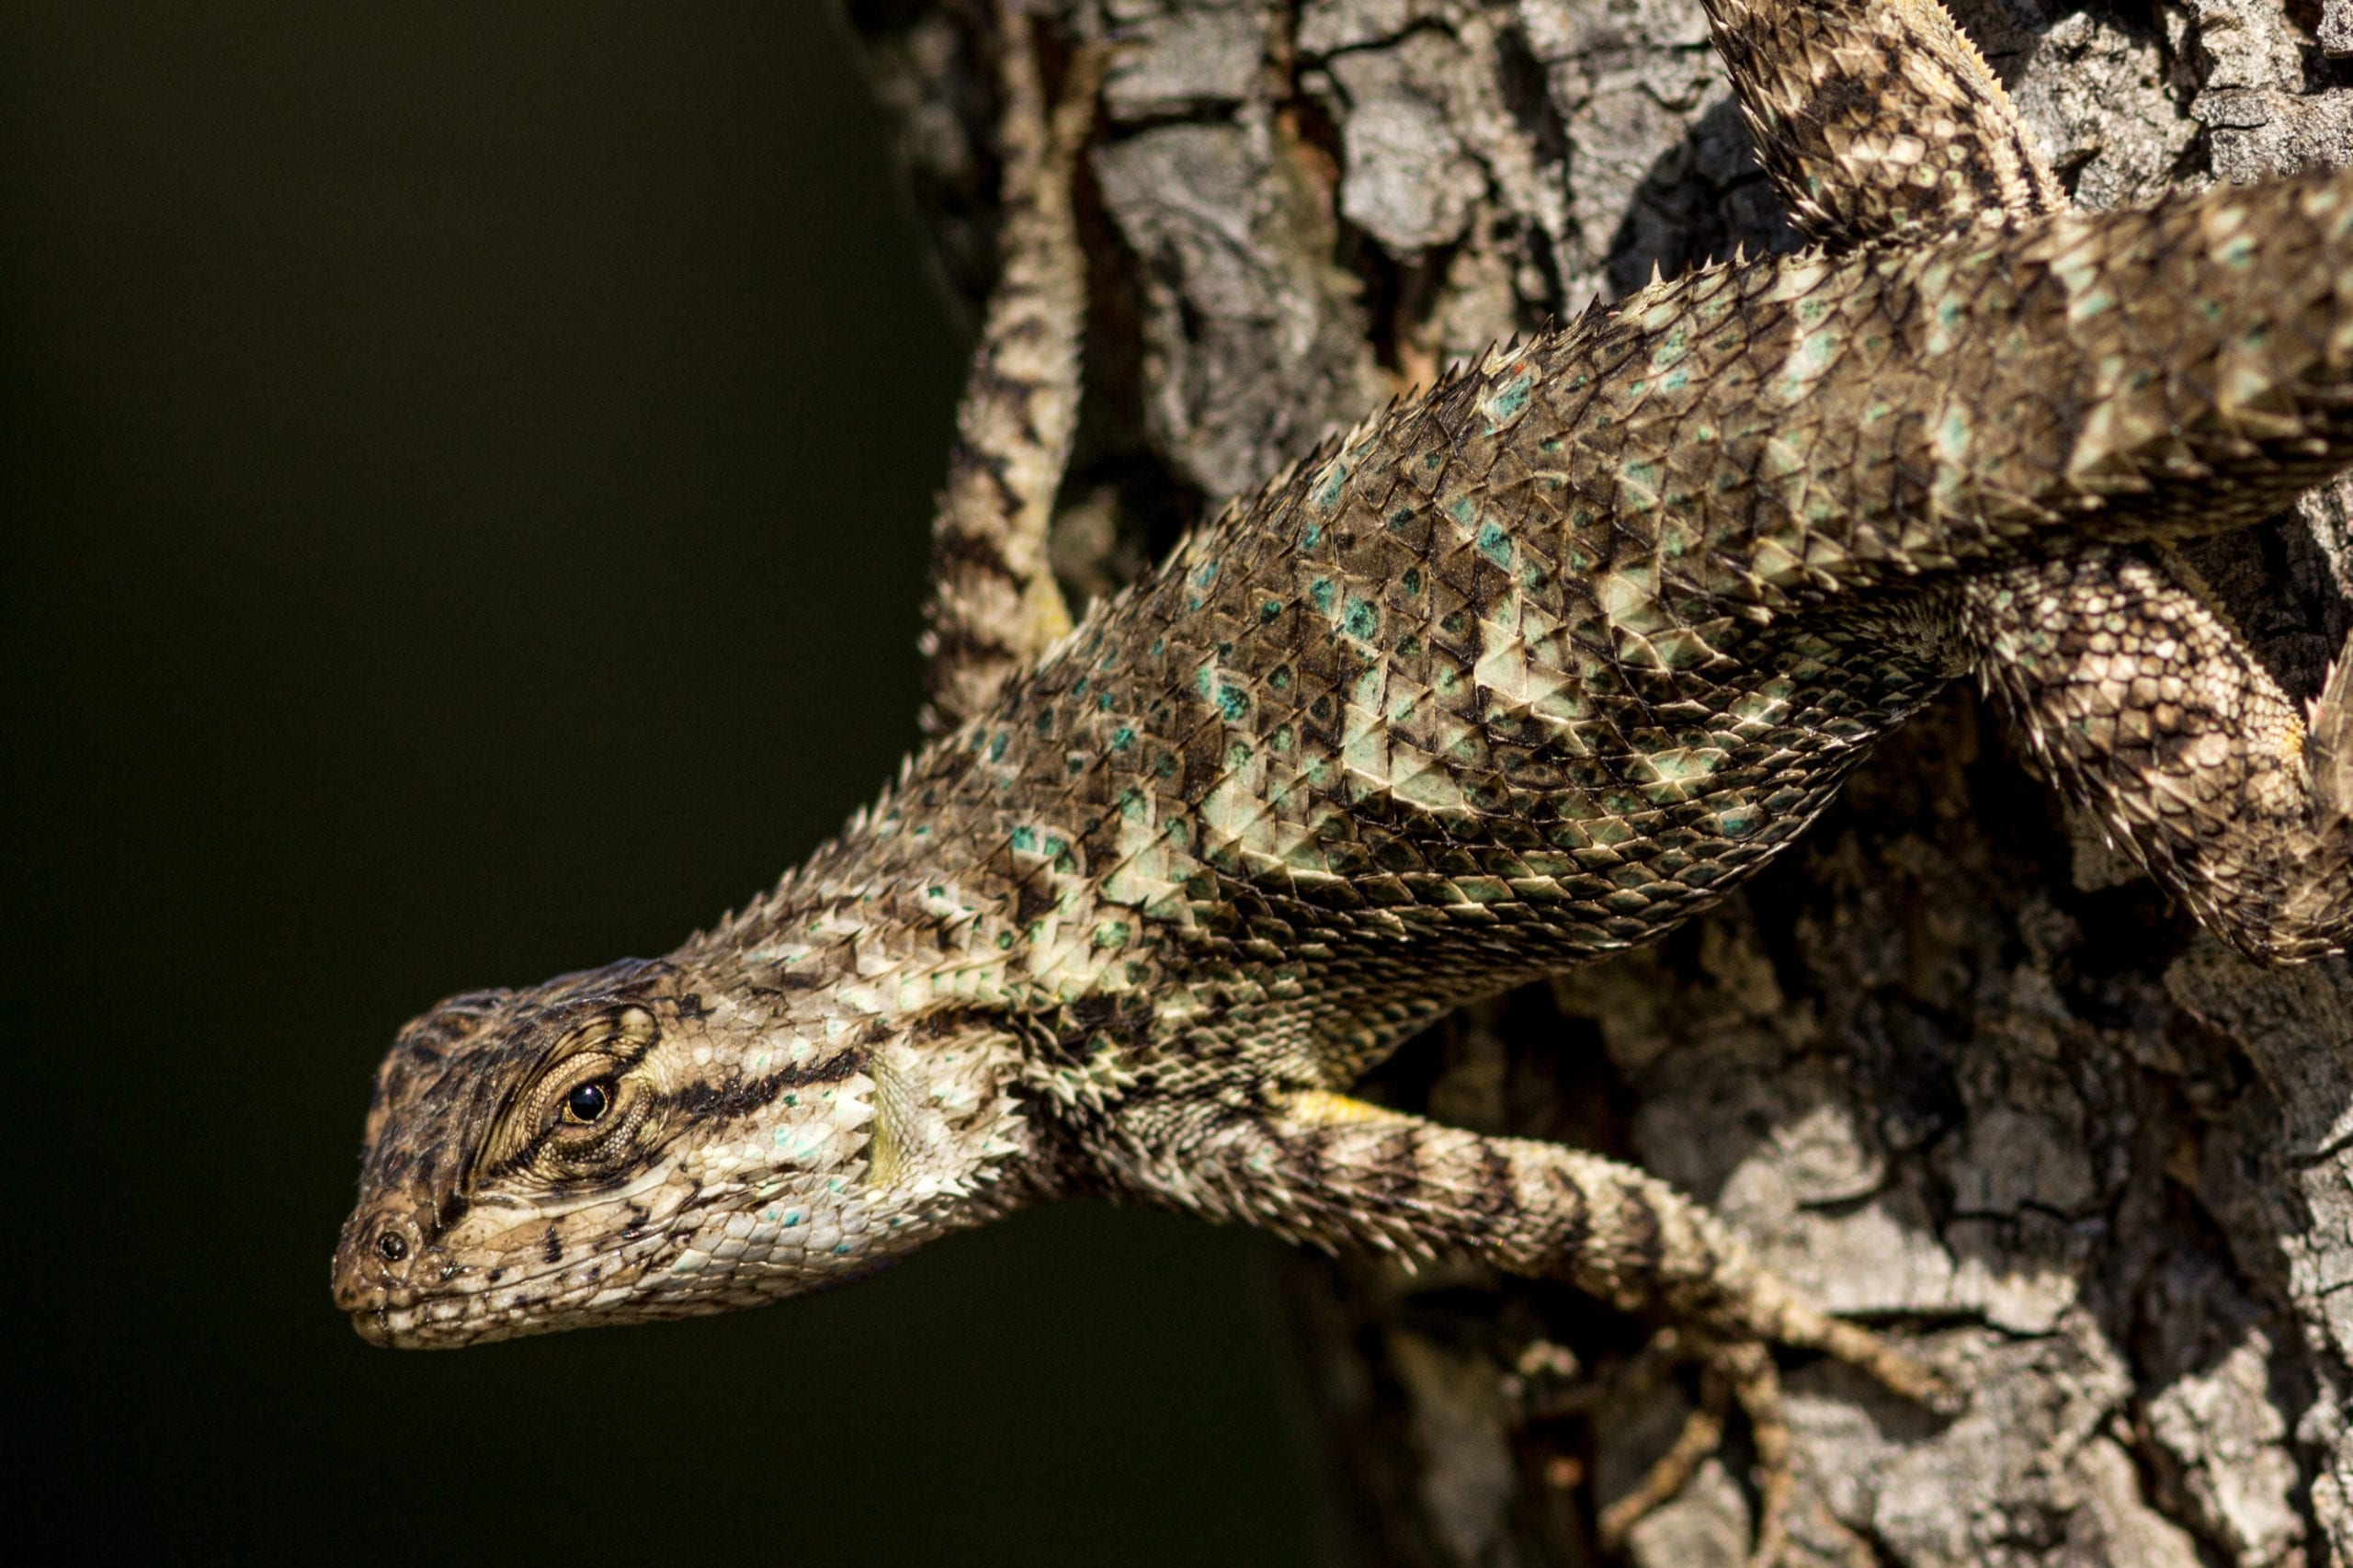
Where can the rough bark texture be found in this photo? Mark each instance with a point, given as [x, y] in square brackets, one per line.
[1951, 1062]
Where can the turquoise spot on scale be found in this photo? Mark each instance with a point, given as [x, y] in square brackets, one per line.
[1507, 402]
[1327, 494]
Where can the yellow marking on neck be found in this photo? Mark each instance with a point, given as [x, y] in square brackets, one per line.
[1321, 1107]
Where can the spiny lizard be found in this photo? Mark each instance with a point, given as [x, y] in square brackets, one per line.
[1528, 669]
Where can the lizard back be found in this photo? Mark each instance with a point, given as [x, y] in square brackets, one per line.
[1539, 665]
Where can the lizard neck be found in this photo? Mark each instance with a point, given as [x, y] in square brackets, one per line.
[883, 959]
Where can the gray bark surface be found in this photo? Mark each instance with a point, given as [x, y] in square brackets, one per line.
[1951, 1063]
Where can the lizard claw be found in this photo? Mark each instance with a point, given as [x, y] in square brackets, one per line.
[2328, 744]
[1741, 1372]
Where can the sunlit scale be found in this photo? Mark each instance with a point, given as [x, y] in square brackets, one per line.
[1529, 669]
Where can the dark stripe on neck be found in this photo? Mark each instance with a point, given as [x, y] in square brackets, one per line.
[726, 1102]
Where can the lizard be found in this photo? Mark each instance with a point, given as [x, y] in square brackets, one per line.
[1527, 669]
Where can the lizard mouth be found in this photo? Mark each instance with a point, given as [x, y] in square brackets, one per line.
[460, 1313]
[419, 1303]
[376, 1326]
[416, 1328]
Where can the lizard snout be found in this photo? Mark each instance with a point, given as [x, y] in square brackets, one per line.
[373, 1263]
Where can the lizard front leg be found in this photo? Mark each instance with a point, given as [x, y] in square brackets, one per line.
[992, 604]
[1338, 1172]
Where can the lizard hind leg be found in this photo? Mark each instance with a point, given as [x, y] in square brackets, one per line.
[2141, 702]
[1872, 116]
[2127, 688]
[992, 604]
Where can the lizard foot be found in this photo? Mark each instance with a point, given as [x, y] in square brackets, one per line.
[1740, 1373]
[1617, 1234]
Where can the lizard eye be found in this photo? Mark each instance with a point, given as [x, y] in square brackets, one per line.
[589, 1111]
[587, 1103]
[585, 1125]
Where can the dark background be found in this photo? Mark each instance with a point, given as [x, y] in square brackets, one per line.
[466, 472]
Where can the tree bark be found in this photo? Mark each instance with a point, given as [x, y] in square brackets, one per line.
[1950, 1063]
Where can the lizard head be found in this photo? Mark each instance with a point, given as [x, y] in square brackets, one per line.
[636, 1143]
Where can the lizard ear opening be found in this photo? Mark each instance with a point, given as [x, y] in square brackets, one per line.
[898, 1134]
[941, 1112]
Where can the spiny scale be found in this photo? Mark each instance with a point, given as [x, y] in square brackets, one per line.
[1528, 668]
